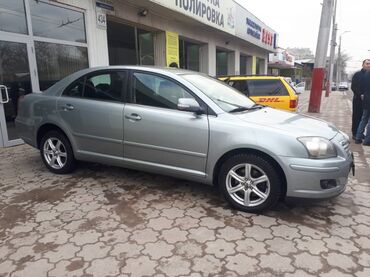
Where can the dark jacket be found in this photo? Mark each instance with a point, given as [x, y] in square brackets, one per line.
[366, 91]
[357, 85]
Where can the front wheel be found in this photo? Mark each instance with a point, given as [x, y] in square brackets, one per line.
[56, 153]
[250, 183]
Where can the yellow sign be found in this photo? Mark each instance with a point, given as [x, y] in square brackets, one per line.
[172, 49]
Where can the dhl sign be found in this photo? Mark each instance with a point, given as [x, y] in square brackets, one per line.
[269, 100]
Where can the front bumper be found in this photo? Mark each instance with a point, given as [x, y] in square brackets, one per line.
[305, 175]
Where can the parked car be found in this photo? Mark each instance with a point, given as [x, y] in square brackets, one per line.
[343, 86]
[334, 86]
[272, 91]
[187, 125]
[300, 88]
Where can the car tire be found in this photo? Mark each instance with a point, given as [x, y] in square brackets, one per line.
[56, 153]
[255, 192]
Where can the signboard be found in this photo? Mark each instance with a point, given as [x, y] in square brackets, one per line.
[101, 20]
[106, 6]
[282, 59]
[219, 14]
[250, 28]
[172, 49]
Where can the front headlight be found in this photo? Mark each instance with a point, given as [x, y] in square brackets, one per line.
[318, 148]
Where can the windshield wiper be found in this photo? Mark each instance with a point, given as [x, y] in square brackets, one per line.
[229, 103]
[241, 109]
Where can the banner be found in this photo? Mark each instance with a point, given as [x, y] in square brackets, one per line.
[172, 49]
[219, 14]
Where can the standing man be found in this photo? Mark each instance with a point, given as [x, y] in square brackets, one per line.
[357, 88]
[365, 120]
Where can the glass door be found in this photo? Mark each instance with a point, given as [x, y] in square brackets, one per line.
[15, 82]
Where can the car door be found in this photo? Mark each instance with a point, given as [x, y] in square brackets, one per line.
[92, 110]
[158, 135]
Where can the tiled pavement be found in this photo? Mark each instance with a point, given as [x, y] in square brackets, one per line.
[106, 221]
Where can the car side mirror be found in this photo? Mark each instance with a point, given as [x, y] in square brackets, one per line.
[189, 105]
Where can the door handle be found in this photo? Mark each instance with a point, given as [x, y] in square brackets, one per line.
[133, 116]
[2, 101]
[68, 107]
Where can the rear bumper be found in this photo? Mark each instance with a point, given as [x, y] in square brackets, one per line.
[304, 177]
[25, 129]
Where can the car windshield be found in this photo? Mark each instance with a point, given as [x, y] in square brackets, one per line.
[226, 97]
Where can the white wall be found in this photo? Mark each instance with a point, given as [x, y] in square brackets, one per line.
[159, 20]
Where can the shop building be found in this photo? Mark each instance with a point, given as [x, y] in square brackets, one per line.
[42, 41]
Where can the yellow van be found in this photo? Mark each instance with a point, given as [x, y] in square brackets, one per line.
[271, 91]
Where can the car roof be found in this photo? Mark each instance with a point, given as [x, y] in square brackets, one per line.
[251, 77]
[62, 84]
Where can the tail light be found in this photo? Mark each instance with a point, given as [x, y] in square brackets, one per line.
[293, 104]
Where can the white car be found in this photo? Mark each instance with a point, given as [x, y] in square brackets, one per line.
[343, 86]
[300, 88]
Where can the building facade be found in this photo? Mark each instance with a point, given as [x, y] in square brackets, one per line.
[43, 41]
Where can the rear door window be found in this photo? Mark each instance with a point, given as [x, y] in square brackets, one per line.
[266, 88]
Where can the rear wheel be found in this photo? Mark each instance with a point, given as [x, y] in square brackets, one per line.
[250, 183]
[56, 153]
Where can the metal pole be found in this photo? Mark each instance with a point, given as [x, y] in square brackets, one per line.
[338, 59]
[332, 51]
[318, 72]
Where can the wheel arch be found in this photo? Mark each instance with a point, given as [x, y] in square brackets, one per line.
[264, 155]
[47, 127]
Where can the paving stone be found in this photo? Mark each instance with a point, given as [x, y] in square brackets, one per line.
[308, 262]
[313, 246]
[250, 247]
[37, 268]
[174, 266]
[188, 249]
[158, 250]
[230, 233]
[344, 246]
[241, 264]
[202, 234]
[278, 264]
[62, 252]
[220, 248]
[144, 236]
[126, 250]
[141, 266]
[74, 267]
[207, 265]
[341, 261]
[282, 246]
[174, 235]
[285, 232]
[85, 237]
[93, 251]
[104, 267]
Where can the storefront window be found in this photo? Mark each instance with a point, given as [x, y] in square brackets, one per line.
[128, 45]
[189, 55]
[13, 16]
[221, 62]
[146, 47]
[56, 22]
[55, 61]
[243, 65]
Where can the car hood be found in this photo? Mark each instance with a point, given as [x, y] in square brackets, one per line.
[295, 124]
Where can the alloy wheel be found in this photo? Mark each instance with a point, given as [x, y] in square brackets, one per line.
[55, 153]
[248, 185]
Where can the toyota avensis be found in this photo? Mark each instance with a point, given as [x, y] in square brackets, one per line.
[186, 125]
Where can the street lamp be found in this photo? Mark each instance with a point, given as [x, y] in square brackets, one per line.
[339, 75]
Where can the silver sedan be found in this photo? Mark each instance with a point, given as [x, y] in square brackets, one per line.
[187, 125]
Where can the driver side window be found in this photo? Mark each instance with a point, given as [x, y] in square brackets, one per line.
[155, 91]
